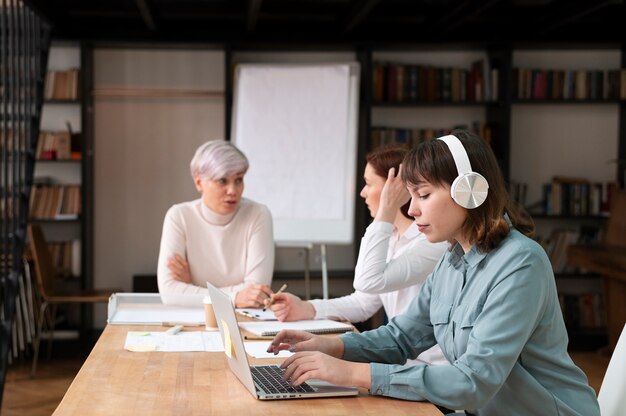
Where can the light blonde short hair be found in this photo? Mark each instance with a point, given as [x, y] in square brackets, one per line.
[216, 159]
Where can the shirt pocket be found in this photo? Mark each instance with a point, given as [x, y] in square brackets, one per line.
[463, 322]
[439, 313]
[440, 319]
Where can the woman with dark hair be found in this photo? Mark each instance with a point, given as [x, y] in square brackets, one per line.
[490, 303]
[392, 245]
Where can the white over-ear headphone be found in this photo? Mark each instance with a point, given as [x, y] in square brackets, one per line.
[469, 189]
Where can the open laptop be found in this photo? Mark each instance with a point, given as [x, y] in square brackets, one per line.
[263, 381]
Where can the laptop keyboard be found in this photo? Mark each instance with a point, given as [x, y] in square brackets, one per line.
[269, 377]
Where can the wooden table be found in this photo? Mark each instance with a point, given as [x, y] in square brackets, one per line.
[116, 382]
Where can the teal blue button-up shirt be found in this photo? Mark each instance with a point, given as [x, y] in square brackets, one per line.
[497, 319]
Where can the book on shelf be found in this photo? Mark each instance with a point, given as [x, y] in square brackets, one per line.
[557, 84]
[583, 310]
[569, 196]
[66, 257]
[62, 84]
[380, 136]
[557, 244]
[395, 82]
[560, 240]
[58, 145]
[55, 202]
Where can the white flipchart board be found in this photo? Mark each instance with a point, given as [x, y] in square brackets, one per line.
[297, 124]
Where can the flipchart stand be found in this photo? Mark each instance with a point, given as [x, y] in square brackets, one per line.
[307, 247]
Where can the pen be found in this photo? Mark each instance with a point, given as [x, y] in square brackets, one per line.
[283, 287]
[181, 323]
[253, 338]
[174, 330]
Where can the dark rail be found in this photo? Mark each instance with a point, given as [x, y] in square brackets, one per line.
[24, 45]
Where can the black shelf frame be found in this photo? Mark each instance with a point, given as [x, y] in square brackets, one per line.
[569, 217]
[570, 276]
[411, 104]
[58, 161]
[563, 102]
[62, 102]
[55, 220]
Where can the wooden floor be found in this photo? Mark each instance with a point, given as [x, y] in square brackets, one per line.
[39, 396]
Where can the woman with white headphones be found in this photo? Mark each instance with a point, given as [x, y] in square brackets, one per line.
[490, 303]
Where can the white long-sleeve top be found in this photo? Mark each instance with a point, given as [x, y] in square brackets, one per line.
[376, 273]
[230, 251]
[409, 253]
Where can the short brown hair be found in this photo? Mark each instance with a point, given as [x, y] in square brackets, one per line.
[386, 157]
[485, 226]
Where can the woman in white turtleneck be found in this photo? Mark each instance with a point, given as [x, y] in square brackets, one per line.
[220, 238]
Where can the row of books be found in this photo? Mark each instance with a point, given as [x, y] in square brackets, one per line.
[60, 202]
[560, 239]
[61, 145]
[380, 136]
[584, 310]
[66, 257]
[62, 85]
[578, 197]
[542, 84]
[394, 82]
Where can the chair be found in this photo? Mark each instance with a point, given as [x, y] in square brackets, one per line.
[50, 291]
[613, 390]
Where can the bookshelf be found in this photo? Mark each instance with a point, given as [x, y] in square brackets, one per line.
[419, 94]
[565, 122]
[409, 93]
[60, 192]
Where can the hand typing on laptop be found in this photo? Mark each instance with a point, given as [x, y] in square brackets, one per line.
[264, 382]
[318, 357]
[296, 341]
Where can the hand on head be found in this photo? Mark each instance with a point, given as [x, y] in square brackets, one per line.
[253, 296]
[179, 268]
[288, 307]
[393, 196]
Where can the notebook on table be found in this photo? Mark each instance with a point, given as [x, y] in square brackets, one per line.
[262, 381]
[316, 326]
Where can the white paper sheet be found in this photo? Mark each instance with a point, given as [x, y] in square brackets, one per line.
[181, 342]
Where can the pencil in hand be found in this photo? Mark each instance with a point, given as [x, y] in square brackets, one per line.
[282, 288]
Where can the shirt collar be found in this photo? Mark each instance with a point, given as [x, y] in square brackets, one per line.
[472, 257]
